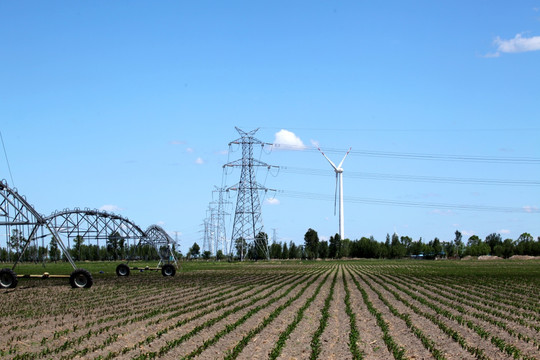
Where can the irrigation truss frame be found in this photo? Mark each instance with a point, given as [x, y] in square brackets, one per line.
[25, 225]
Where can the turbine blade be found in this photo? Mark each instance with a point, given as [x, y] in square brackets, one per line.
[341, 163]
[326, 157]
[335, 195]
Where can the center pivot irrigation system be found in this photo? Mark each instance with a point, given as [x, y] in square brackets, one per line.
[24, 226]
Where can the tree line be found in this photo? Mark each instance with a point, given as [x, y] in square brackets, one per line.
[394, 247]
[116, 247]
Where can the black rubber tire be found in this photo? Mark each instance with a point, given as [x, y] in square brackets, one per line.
[8, 279]
[122, 270]
[168, 270]
[81, 278]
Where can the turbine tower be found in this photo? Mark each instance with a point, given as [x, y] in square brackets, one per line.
[339, 179]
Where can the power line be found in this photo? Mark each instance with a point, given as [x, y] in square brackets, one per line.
[361, 200]
[421, 130]
[412, 178]
[419, 156]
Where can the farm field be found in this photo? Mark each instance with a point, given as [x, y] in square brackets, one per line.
[281, 310]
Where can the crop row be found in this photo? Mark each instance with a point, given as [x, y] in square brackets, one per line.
[143, 314]
[456, 314]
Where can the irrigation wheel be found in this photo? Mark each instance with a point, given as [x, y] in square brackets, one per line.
[8, 279]
[81, 278]
[122, 270]
[168, 270]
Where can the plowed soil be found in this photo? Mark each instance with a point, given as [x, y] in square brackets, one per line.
[402, 310]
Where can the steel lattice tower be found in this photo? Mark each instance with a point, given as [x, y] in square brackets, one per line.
[247, 216]
[220, 232]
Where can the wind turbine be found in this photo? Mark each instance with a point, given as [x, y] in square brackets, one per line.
[339, 179]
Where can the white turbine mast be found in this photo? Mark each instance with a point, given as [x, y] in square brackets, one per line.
[339, 180]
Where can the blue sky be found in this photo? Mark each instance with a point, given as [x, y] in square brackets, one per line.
[130, 106]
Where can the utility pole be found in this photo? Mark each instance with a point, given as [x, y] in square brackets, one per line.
[247, 216]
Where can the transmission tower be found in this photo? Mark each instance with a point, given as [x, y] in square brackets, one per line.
[247, 216]
[220, 232]
[208, 235]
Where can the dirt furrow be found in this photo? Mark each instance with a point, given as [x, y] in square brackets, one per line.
[297, 345]
[230, 339]
[450, 349]
[371, 342]
[174, 333]
[335, 338]
[397, 327]
[261, 345]
[471, 337]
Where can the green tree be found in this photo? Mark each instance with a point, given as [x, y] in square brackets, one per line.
[493, 240]
[406, 241]
[397, 249]
[260, 243]
[195, 250]
[437, 246]
[323, 249]
[524, 244]
[334, 248]
[293, 251]
[77, 243]
[113, 244]
[285, 251]
[3, 255]
[206, 255]
[16, 241]
[275, 251]
[458, 242]
[241, 247]
[345, 250]
[219, 255]
[508, 248]
[416, 247]
[311, 244]
[54, 252]
[476, 247]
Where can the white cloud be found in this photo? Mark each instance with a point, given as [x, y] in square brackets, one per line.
[189, 150]
[287, 140]
[160, 223]
[110, 208]
[516, 45]
[504, 231]
[222, 152]
[271, 201]
[177, 142]
[314, 143]
[199, 161]
[531, 209]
